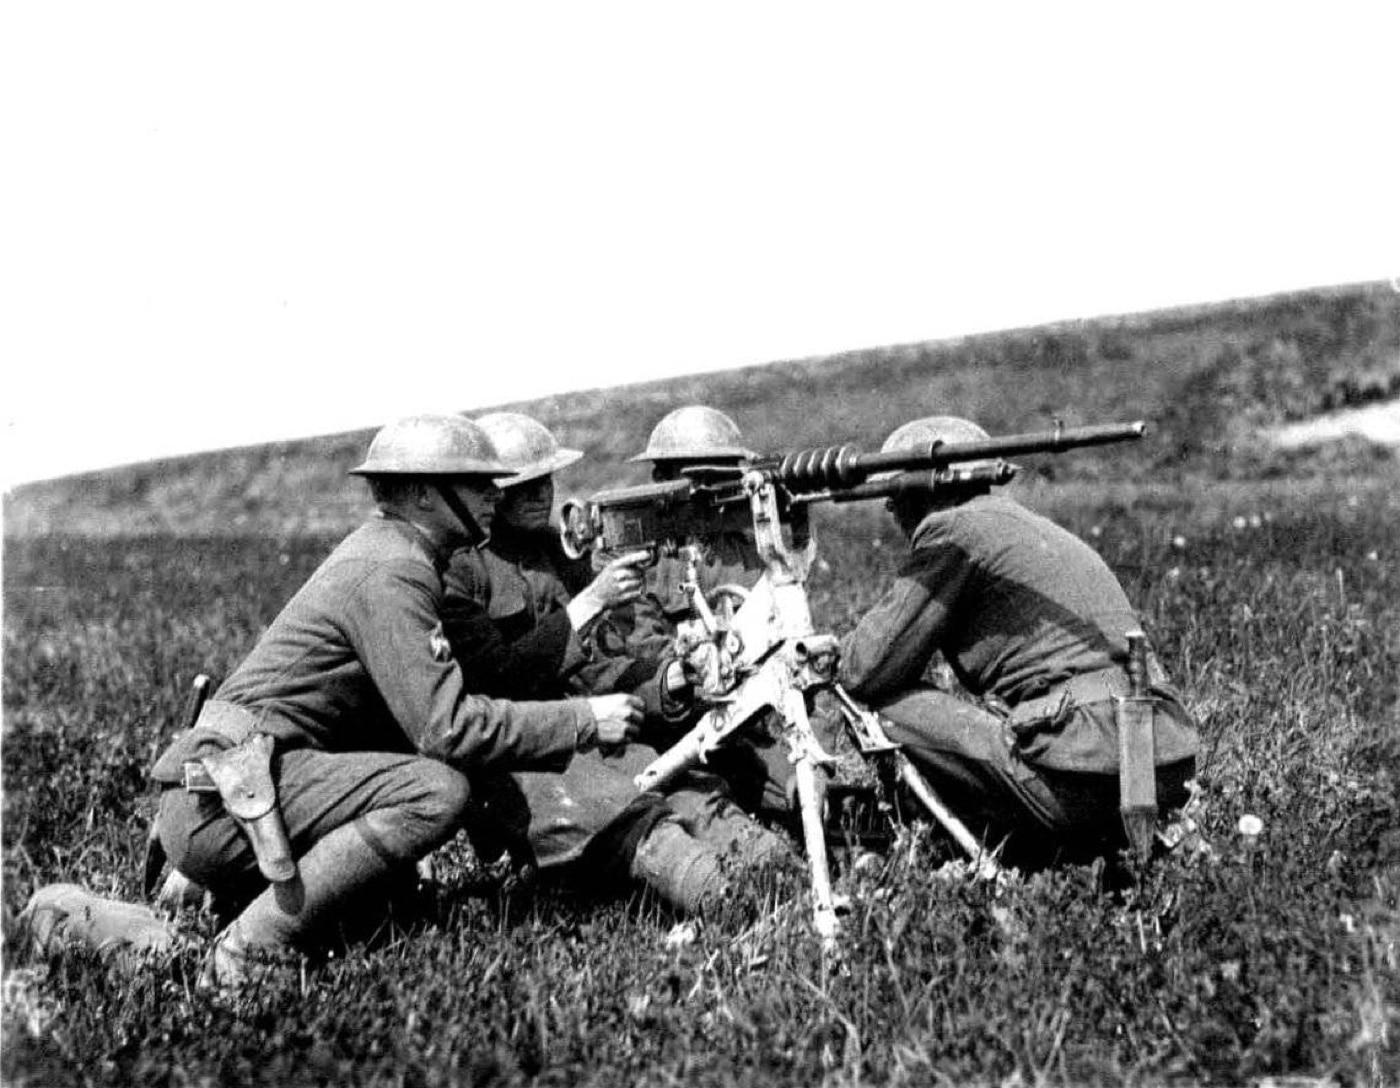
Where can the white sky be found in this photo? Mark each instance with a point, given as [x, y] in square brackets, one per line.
[224, 224]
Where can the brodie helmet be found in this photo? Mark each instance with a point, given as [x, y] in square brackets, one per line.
[694, 433]
[431, 445]
[921, 433]
[525, 447]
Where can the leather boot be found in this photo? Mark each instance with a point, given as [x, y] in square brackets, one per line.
[264, 937]
[682, 870]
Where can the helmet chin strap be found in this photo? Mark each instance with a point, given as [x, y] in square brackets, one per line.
[476, 535]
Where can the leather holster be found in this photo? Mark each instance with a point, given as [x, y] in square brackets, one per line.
[243, 776]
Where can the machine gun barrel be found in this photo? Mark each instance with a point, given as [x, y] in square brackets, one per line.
[844, 467]
[920, 482]
[665, 514]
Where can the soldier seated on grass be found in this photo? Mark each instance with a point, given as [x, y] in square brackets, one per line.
[523, 618]
[373, 721]
[1033, 624]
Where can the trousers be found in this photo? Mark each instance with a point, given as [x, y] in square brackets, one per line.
[1043, 815]
[403, 805]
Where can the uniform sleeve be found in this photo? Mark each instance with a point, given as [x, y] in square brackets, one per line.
[530, 666]
[647, 632]
[605, 672]
[394, 626]
[892, 644]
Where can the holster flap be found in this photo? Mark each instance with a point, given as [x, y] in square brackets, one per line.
[243, 775]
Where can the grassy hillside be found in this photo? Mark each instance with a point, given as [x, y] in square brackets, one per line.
[1209, 378]
[1270, 961]
[1268, 582]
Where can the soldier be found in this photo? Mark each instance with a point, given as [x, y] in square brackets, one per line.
[687, 443]
[1033, 623]
[522, 618]
[371, 715]
[692, 442]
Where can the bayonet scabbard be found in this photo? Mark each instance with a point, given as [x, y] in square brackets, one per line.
[1137, 754]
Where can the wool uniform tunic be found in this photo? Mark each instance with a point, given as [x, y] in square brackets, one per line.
[1031, 620]
[372, 717]
[506, 612]
[507, 619]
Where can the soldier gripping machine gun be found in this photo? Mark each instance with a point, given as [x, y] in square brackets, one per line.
[768, 656]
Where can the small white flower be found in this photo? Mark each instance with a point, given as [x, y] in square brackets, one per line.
[1178, 542]
[1348, 922]
[1239, 522]
[1096, 531]
[1373, 556]
[682, 935]
[1174, 573]
[1250, 825]
[1255, 521]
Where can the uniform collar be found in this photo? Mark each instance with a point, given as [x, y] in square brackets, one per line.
[515, 546]
[436, 556]
[942, 514]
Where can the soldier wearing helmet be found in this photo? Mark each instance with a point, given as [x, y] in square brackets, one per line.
[523, 619]
[698, 442]
[694, 441]
[693, 436]
[372, 718]
[1033, 623]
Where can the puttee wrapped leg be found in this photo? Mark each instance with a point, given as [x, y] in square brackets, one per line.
[682, 870]
[344, 862]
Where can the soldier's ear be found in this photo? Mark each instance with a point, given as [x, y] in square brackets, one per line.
[423, 497]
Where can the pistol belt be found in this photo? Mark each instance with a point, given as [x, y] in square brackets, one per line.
[1051, 710]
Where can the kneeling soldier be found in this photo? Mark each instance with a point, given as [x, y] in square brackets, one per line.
[522, 619]
[1034, 623]
[373, 723]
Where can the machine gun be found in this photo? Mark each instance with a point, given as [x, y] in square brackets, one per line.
[769, 657]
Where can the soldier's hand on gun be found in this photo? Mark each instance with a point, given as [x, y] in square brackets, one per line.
[617, 584]
[620, 582]
[618, 718]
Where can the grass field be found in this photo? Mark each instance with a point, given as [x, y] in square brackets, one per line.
[1271, 587]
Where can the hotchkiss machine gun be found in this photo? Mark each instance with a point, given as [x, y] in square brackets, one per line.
[767, 656]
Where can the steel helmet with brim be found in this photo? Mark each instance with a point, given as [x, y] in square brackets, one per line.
[525, 446]
[695, 433]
